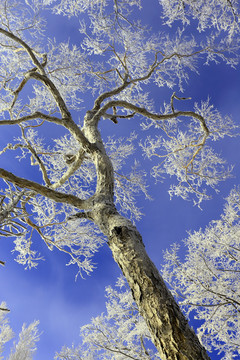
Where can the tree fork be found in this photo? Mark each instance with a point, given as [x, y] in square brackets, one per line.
[172, 335]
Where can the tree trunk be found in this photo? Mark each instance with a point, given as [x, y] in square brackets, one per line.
[170, 331]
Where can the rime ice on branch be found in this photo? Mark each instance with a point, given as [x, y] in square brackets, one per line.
[85, 189]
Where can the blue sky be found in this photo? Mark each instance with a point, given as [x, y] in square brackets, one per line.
[50, 293]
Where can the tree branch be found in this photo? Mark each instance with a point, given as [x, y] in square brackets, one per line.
[54, 91]
[146, 113]
[4, 309]
[30, 52]
[34, 116]
[37, 159]
[45, 191]
[110, 93]
[76, 164]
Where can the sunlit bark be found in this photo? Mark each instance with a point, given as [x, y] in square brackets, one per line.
[56, 80]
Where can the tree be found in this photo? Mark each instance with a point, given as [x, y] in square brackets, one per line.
[84, 190]
[207, 281]
[28, 337]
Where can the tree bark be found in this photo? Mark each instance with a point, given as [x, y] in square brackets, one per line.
[172, 335]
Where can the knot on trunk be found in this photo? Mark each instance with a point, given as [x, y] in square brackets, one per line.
[122, 233]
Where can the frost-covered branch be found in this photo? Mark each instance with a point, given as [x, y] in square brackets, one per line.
[36, 115]
[206, 282]
[25, 46]
[114, 70]
[11, 212]
[121, 331]
[25, 348]
[150, 115]
[43, 190]
[222, 16]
